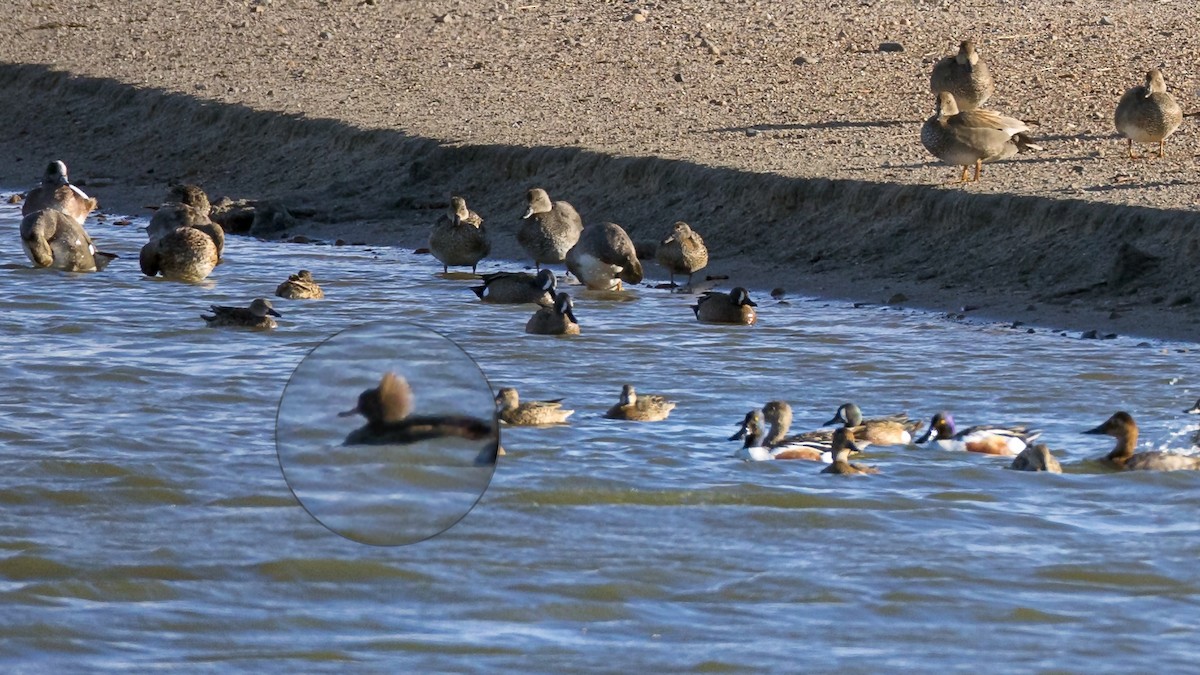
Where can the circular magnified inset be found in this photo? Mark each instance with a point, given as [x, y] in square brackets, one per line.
[387, 433]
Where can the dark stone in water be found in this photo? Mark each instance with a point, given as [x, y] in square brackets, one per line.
[235, 217]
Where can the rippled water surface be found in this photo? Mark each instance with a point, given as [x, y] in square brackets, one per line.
[148, 522]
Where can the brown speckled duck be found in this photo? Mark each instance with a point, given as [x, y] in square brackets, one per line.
[964, 75]
[1148, 113]
[682, 252]
[549, 229]
[558, 319]
[257, 315]
[459, 237]
[512, 410]
[643, 408]
[1122, 427]
[183, 254]
[895, 429]
[57, 192]
[300, 286]
[51, 238]
[603, 257]
[972, 137]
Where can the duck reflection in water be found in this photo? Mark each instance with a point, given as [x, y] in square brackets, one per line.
[388, 409]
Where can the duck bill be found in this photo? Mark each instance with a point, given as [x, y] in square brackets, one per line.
[570, 315]
[348, 413]
[274, 313]
[837, 419]
[751, 302]
[853, 446]
[1098, 431]
[925, 436]
[741, 433]
[528, 212]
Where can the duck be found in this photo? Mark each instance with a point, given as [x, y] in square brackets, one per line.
[1194, 410]
[732, 307]
[1122, 427]
[966, 137]
[751, 430]
[895, 429]
[1148, 113]
[300, 286]
[965, 75]
[603, 257]
[986, 439]
[1036, 457]
[644, 408]
[184, 254]
[519, 413]
[550, 228]
[388, 411]
[257, 315]
[459, 237]
[811, 445]
[518, 288]
[558, 319]
[843, 445]
[186, 205]
[682, 251]
[56, 192]
[52, 238]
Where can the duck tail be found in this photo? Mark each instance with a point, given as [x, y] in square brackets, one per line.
[1025, 143]
[479, 290]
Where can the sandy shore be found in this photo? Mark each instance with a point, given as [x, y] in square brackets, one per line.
[781, 132]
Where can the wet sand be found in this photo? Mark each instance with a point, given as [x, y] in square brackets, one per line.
[783, 134]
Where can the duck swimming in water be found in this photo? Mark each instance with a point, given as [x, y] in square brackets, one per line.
[56, 192]
[644, 408]
[843, 445]
[1122, 427]
[892, 430]
[52, 238]
[986, 439]
[514, 411]
[257, 315]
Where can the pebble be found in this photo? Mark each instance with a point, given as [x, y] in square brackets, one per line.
[1106, 21]
[15, 199]
[891, 47]
[637, 17]
[805, 60]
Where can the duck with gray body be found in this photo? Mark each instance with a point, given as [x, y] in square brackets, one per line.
[257, 315]
[549, 229]
[732, 307]
[518, 288]
[682, 252]
[972, 137]
[459, 237]
[1148, 113]
[964, 75]
[56, 192]
[558, 319]
[51, 238]
[603, 257]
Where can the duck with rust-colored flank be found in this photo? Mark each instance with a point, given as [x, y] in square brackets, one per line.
[558, 319]
[987, 439]
[257, 315]
[56, 192]
[682, 252]
[1036, 457]
[300, 286]
[813, 445]
[51, 238]
[843, 445]
[964, 75]
[388, 411]
[549, 229]
[1122, 427]
[512, 410]
[972, 137]
[518, 288]
[732, 307]
[896, 429]
[603, 257]
[643, 408]
[459, 237]
[1148, 113]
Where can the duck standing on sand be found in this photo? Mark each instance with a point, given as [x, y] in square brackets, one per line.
[459, 237]
[558, 319]
[732, 307]
[964, 75]
[388, 411]
[57, 192]
[300, 286]
[51, 238]
[518, 288]
[1148, 113]
[549, 229]
[512, 410]
[644, 408]
[603, 257]
[257, 315]
[682, 252]
[1122, 427]
[843, 445]
[963, 138]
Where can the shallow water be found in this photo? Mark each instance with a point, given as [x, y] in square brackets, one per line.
[148, 521]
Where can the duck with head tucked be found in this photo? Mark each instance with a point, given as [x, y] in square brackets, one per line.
[558, 319]
[964, 75]
[459, 237]
[732, 307]
[300, 286]
[643, 408]
[184, 244]
[682, 252]
[1036, 457]
[1148, 113]
[603, 257]
[894, 429]
[518, 413]
[843, 445]
[1122, 427]
[57, 192]
[549, 229]
[257, 315]
[972, 137]
[987, 439]
[518, 288]
[388, 410]
[51, 238]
